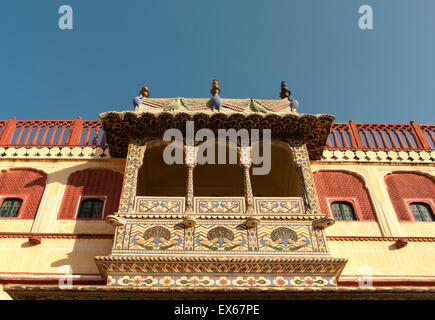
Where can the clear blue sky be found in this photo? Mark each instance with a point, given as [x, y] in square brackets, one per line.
[176, 48]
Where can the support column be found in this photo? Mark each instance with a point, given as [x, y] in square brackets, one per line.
[301, 159]
[190, 161]
[134, 161]
[245, 162]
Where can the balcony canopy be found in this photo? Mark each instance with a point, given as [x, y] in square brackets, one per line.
[154, 116]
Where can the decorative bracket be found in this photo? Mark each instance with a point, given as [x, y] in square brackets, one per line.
[115, 220]
[323, 223]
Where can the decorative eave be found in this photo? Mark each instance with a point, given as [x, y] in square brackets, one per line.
[123, 127]
[53, 292]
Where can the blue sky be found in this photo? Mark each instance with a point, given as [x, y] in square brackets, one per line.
[177, 48]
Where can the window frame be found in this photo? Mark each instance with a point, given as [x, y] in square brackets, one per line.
[350, 200]
[429, 202]
[22, 197]
[90, 197]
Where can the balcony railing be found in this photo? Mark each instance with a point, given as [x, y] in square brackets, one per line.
[220, 205]
[46, 133]
[374, 136]
[379, 136]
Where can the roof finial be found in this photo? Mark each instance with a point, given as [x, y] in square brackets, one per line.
[285, 92]
[143, 93]
[215, 88]
[215, 102]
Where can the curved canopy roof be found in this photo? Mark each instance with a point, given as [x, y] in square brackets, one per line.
[154, 116]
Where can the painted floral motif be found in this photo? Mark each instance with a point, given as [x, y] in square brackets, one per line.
[156, 237]
[136, 281]
[309, 281]
[146, 205]
[221, 281]
[284, 239]
[221, 206]
[279, 206]
[216, 238]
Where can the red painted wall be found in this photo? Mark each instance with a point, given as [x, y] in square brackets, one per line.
[26, 184]
[92, 182]
[408, 185]
[338, 184]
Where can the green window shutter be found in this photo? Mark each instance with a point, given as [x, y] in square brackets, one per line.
[343, 211]
[10, 208]
[91, 209]
[421, 211]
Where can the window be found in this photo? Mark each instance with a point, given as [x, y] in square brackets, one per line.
[421, 211]
[343, 211]
[10, 208]
[91, 209]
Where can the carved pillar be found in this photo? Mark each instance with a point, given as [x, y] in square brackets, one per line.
[301, 159]
[134, 161]
[245, 162]
[190, 161]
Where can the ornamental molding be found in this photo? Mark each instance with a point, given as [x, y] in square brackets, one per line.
[358, 238]
[100, 292]
[71, 153]
[141, 216]
[123, 127]
[221, 266]
[54, 235]
[379, 156]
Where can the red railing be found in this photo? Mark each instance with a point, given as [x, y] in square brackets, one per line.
[42, 133]
[350, 135]
[381, 136]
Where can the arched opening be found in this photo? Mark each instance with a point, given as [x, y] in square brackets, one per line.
[156, 178]
[219, 180]
[343, 186]
[283, 178]
[415, 186]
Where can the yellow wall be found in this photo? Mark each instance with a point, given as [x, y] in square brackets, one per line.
[416, 259]
[52, 255]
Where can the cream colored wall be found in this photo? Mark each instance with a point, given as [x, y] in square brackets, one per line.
[388, 224]
[58, 172]
[416, 259]
[382, 258]
[53, 256]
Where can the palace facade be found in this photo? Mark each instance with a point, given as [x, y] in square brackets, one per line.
[89, 209]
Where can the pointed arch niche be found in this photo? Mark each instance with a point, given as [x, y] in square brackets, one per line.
[219, 180]
[283, 180]
[156, 178]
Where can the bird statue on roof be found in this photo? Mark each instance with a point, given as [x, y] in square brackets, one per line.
[215, 103]
[286, 93]
[143, 93]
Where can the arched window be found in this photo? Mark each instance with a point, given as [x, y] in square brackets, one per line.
[343, 211]
[91, 184]
[10, 207]
[405, 186]
[91, 209]
[421, 211]
[21, 191]
[344, 186]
